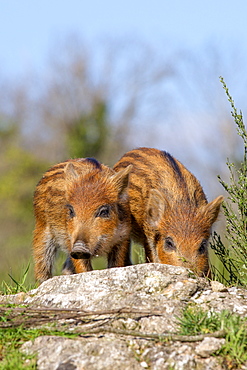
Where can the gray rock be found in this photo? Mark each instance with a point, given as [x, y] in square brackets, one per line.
[129, 286]
[218, 287]
[209, 346]
[154, 295]
[57, 353]
[234, 300]
[144, 287]
[109, 352]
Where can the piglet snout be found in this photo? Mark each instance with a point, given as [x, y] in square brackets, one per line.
[80, 251]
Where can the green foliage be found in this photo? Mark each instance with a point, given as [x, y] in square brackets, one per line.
[10, 357]
[20, 171]
[12, 338]
[137, 254]
[233, 253]
[196, 321]
[87, 136]
[235, 347]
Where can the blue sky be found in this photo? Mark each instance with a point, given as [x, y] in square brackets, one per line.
[28, 29]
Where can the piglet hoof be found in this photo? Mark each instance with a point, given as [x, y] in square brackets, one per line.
[80, 251]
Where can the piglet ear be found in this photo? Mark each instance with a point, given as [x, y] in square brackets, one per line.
[121, 179]
[156, 206]
[70, 172]
[211, 210]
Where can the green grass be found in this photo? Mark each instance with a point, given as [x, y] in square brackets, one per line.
[197, 321]
[17, 285]
[137, 254]
[11, 340]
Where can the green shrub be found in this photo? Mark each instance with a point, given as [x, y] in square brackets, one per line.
[232, 252]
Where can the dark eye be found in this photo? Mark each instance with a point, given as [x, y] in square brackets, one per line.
[203, 247]
[169, 244]
[103, 211]
[70, 210]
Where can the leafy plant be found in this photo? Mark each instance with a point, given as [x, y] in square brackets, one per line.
[197, 321]
[233, 252]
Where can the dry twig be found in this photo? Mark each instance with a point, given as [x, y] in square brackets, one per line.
[159, 337]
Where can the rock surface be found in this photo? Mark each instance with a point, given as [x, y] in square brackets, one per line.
[145, 298]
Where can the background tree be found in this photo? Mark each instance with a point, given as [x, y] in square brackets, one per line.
[89, 133]
[19, 171]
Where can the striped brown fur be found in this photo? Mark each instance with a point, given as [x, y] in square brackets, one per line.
[81, 206]
[170, 213]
